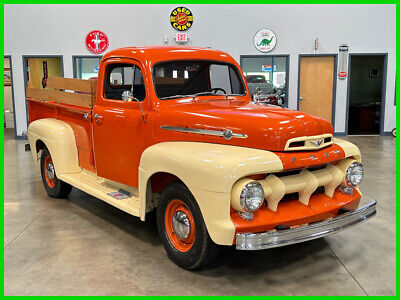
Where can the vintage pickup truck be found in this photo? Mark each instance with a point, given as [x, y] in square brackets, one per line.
[174, 129]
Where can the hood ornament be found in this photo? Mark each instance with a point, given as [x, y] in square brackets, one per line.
[226, 134]
[317, 142]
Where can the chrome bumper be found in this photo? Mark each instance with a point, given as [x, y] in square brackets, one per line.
[265, 240]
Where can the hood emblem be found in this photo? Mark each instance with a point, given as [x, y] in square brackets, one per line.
[317, 142]
[226, 134]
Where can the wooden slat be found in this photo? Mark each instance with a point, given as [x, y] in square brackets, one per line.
[84, 100]
[78, 85]
[35, 93]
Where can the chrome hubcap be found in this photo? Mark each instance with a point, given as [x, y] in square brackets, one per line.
[50, 171]
[181, 225]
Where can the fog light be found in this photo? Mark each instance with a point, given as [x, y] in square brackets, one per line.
[246, 215]
[346, 189]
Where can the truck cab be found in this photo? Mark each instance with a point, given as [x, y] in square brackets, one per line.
[174, 129]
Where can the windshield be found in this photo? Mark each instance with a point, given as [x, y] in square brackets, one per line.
[177, 79]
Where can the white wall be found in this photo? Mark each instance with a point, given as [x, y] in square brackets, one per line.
[61, 29]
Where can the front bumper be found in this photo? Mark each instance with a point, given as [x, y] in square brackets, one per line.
[265, 240]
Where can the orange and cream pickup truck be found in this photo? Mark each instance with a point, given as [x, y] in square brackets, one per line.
[174, 129]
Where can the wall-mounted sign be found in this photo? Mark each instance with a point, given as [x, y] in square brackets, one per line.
[97, 41]
[181, 37]
[343, 49]
[181, 18]
[267, 68]
[265, 40]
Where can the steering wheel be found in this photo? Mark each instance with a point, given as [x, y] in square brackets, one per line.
[215, 90]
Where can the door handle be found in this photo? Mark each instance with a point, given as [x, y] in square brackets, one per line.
[301, 98]
[97, 117]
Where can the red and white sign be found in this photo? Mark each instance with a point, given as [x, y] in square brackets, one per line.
[342, 75]
[97, 41]
[181, 37]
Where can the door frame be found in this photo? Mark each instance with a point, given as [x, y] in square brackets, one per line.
[335, 57]
[383, 100]
[12, 95]
[287, 56]
[74, 57]
[24, 67]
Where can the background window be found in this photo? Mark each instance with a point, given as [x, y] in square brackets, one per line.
[269, 73]
[86, 67]
[120, 78]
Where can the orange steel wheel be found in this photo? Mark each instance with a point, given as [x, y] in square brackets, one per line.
[179, 225]
[50, 173]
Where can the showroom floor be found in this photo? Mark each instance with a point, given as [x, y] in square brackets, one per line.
[82, 246]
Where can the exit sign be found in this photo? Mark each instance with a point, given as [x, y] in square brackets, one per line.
[181, 38]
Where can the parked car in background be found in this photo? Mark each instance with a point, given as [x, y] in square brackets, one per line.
[256, 82]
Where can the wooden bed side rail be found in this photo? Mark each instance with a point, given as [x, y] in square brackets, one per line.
[72, 84]
[66, 90]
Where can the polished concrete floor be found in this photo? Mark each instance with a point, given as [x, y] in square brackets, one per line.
[82, 246]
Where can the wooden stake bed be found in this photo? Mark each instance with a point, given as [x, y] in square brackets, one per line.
[76, 92]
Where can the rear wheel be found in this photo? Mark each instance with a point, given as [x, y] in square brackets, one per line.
[54, 186]
[182, 229]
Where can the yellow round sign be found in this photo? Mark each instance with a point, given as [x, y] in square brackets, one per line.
[181, 18]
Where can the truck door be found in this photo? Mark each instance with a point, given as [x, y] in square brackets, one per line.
[118, 126]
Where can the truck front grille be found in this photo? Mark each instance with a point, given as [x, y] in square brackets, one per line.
[302, 184]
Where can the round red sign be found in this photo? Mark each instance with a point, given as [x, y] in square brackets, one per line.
[97, 41]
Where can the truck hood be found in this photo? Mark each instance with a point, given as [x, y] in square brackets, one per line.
[266, 126]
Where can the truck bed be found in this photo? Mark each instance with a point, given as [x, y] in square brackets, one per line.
[71, 101]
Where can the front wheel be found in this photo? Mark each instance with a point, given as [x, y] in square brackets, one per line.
[54, 186]
[182, 229]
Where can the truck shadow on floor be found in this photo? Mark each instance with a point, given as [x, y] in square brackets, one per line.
[230, 260]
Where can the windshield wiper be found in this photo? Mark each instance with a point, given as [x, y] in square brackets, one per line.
[188, 96]
[202, 94]
[176, 96]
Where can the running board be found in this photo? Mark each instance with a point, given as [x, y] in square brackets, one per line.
[101, 188]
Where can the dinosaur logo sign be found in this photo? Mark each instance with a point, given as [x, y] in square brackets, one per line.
[96, 41]
[265, 40]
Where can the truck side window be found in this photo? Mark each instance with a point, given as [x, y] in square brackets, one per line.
[120, 77]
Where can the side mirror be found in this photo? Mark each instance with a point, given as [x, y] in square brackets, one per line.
[127, 96]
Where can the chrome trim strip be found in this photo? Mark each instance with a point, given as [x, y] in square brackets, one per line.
[265, 240]
[221, 133]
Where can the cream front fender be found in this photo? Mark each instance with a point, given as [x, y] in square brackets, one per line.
[209, 171]
[350, 150]
[59, 138]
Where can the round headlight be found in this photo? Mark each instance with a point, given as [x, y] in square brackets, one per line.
[252, 196]
[355, 173]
